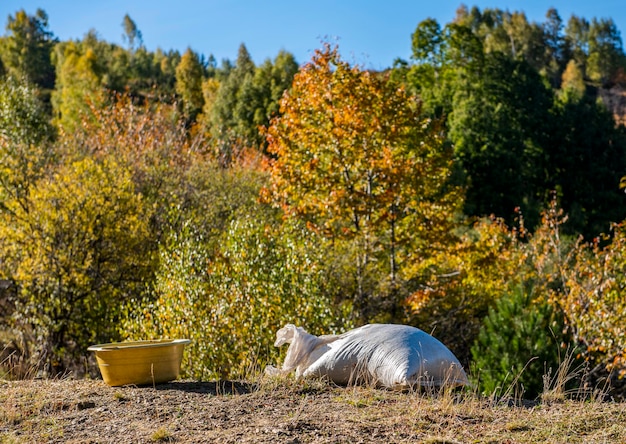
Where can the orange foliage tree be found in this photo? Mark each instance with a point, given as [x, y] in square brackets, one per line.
[354, 158]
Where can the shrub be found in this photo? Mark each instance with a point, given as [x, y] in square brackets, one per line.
[463, 279]
[231, 304]
[594, 303]
[76, 250]
[520, 341]
[455, 287]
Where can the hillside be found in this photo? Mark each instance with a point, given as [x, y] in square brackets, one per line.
[157, 194]
[72, 411]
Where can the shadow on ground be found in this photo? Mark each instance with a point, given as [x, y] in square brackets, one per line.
[210, 387]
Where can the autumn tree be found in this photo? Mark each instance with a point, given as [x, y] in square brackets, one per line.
[189, 75]
[149, 141]
[572, 81]
[26, 152]
[230, 291]
[76, 251]
[594, 304]
[356, 160]
[461, 280]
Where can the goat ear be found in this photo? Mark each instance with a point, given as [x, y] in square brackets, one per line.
[285, 335]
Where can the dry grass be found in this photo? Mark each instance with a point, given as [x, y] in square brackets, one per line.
[288, 411]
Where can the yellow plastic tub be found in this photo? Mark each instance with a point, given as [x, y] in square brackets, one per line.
[140, 362]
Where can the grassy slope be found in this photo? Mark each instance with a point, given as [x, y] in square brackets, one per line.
[288, 412]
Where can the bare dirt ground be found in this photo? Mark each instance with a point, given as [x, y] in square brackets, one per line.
[287, 411]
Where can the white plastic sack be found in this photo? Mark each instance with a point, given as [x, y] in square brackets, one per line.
[388, 355]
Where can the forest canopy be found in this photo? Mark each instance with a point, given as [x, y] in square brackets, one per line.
[472, 191]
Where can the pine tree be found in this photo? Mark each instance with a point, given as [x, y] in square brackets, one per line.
[519, 342]
[27, 48]
[132, 35]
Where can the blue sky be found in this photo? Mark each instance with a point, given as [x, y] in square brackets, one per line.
[370, 33]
